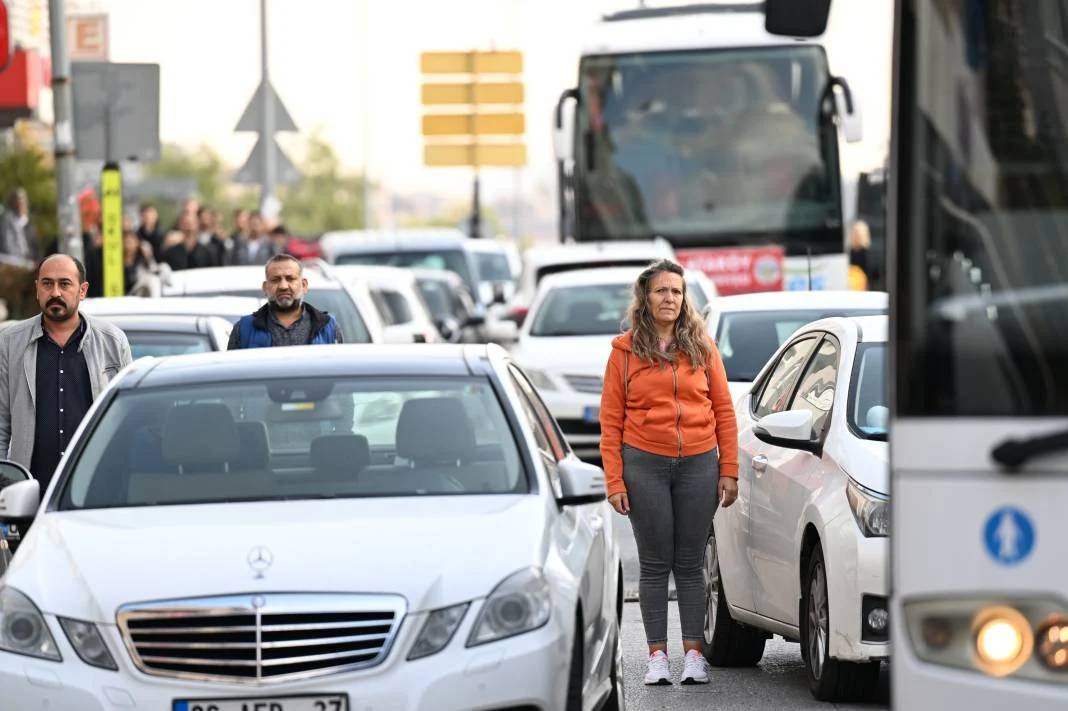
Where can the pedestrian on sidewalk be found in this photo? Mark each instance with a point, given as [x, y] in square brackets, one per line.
[669, 442]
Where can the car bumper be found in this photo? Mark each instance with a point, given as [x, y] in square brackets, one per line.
[856, 567]
[529, 669]
[576, 413]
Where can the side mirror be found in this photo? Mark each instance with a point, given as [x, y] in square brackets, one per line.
[12, 473]
[580, 483]
[848, 110]
[791, 429]
[19, 501]
[501, 293]
[474, 320]
[796, 18]
[564, 125]
[502, 331]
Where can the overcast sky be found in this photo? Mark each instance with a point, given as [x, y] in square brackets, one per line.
[350, 69]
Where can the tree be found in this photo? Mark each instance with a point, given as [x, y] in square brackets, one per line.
[326, 198]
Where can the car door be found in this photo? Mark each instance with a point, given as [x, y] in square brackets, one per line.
[744, 568]
[789, 479]
[581, 534]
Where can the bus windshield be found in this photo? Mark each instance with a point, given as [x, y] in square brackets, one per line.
[709, 148]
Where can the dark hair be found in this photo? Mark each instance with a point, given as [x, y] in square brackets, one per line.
[283, 257]
[279, 230]
[146, 206]
[239, 210]
[77, 263]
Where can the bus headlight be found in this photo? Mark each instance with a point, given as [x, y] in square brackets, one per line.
[870, 509]
[1025, 639]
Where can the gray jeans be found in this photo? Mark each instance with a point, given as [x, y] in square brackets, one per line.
[672, 502]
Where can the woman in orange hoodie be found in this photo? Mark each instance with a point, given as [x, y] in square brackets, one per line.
[669, 443]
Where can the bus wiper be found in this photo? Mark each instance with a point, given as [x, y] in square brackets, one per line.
[1013, 453]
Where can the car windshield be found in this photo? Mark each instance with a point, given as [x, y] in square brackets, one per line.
[441, 301]
[162, 343]
[596, 310]
[868, 411]
[334, 301]
[297, 439]
[747, 339]
[493, 267]
[442, 259]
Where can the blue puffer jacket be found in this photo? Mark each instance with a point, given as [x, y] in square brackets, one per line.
[253, 331]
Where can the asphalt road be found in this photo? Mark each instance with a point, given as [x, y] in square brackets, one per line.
[778, 682]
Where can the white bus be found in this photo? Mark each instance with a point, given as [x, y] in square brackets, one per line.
[979, 301]
[695, 124]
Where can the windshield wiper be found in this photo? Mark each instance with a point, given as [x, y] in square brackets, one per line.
[1013, 453]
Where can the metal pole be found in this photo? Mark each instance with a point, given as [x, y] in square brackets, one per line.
[267, 120]
[366, 114]
[476, 211]
[69, 237]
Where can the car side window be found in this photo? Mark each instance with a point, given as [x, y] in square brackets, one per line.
[780, 383]
[816, 392]
[546, 431]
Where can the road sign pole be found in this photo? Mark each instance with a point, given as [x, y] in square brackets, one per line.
[267, 199]
[69, 235]
[111, 223]
[476, 211]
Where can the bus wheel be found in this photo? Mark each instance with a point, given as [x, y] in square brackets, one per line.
[727, 643]
[828, 679]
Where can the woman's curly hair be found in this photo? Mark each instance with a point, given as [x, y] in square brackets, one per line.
[691, 334]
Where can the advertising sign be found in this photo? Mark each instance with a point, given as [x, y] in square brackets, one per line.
[737, 270]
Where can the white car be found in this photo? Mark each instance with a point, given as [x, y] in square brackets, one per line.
[351, 304]
[160, 336]
[748, 328]
[231, 308]
[401, 308]
[386, 527]
[540, 261]
[565, 342]
[803, 553]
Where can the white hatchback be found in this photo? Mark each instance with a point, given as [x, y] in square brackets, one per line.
[389, 527]
[803, 552]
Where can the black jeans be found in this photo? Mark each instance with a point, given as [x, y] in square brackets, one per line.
[672, 502]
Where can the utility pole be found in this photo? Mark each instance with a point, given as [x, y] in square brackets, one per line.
[268, 202]
[69, 221]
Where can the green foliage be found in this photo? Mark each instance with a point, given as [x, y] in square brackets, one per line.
[326, 198]
[25, 165]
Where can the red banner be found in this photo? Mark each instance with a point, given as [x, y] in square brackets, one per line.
[737, 270]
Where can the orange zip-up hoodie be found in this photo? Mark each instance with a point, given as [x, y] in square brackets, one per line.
[668, 410]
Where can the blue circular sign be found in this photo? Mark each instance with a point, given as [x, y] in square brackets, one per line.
[1009, 536]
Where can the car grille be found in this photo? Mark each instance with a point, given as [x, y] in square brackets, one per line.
[586, 383]
[260, 638]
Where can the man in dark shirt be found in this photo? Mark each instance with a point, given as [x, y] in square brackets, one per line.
[285, 320]
[189, 253]
[149, 231]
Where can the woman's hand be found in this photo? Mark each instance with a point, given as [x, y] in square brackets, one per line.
[728, 491]
[620, 503]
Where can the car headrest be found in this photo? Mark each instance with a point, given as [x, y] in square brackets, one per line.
[255, 447]
[435, 429]
[343, 453]
[203, 433]
[877, 417]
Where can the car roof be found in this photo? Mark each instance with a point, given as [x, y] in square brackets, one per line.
[172, 305]
[600, 275]
[334, 361]
[411, 240]
[869, 329]
[800, 300]
[374, 274]
[452, 278]
[608, 250]
[209, 280]
[164, 323]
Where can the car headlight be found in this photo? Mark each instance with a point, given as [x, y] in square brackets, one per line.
[1022, 638]
[870, 509]
[22, 627]
[540, 379]
[520, 603]
[438, 629]
[89, 644]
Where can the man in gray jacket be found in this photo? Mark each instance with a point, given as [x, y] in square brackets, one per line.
[52, 367]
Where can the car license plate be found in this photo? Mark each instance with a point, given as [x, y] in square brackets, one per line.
[314, 702]
[591, 414]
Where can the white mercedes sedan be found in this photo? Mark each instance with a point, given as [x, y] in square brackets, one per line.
[803, 553]
[313, 528]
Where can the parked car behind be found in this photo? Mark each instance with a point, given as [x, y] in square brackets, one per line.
[160, 336]
[230, 308]
[404, 314]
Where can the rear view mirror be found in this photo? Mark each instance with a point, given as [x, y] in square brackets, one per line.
[12, 473]
[796, 18]
[564, 125]
[19, 501]
[791, 429]
[580, 483]
[502, 331]
[848, 110]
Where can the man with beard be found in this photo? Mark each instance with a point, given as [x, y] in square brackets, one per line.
[285, 320]
[52, 367]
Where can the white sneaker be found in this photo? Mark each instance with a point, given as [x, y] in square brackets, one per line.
[695, 668]
[659, 674]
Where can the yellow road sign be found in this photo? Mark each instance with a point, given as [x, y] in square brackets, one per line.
[471, 62]
[512, 124]
[111, 223]
[472, 154]
[472, 93]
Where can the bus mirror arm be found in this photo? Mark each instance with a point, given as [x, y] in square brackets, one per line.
[1014, 453]
[563, 125]
[847, 109]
